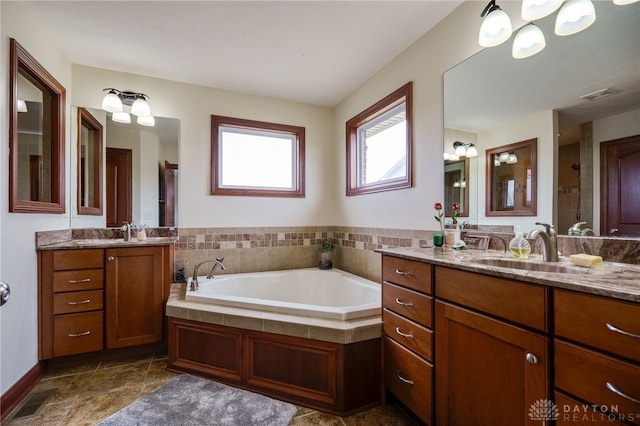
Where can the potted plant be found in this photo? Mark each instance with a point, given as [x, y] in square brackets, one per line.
[327, 246]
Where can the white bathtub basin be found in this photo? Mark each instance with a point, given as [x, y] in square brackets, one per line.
[309, 292]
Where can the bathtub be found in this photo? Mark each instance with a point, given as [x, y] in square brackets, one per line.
[310, 292]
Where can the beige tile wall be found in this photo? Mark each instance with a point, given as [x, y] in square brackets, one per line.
[268, 249]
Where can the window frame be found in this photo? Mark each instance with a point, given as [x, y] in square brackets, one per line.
[384, 105]
[298, 132]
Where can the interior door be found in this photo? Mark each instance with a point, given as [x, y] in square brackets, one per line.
[119, 186]
[620, 187]
[170, 176]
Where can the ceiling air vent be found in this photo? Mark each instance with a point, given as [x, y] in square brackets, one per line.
[598, 94]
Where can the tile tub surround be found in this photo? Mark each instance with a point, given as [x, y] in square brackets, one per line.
[327, 330]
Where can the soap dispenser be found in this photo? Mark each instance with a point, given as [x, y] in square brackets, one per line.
[519, 246]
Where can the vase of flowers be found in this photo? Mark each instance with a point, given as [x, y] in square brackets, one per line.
[327, 246]
[453, 234]
[438, 237]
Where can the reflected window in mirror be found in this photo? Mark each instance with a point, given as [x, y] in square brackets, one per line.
[511, 179]
[456, 179]
[36, 136]
[89, 164]
[379, 145]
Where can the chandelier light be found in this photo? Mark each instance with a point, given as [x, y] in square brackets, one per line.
[574, 16]
[496, 27]
[528, 42]
[136, 103]
[532, 10]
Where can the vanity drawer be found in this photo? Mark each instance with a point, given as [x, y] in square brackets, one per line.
[599, 322]
[77, 301]
[585, 374]
[515, 301]
[410, 378]
[85, 279]
[411, 304]
[64, 260]
[408, 333]
[408, 273]
[78, 333]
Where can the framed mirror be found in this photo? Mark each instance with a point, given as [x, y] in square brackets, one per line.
[89, 190]
[36, 136]
[456, 177]
[511, 188]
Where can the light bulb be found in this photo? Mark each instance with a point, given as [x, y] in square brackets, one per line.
[22, 106]
[147, 121]
[532, 10]
[460, 150]
[495, 29]
[111, 102]
[504, 157]
[140, 107]
[513, 158]
[528, 42]
[121, 117]
[472, 151]
[575, 16]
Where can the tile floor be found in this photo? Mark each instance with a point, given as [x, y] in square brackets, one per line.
[89, 393]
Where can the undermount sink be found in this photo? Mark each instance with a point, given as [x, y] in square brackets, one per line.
[532, 266]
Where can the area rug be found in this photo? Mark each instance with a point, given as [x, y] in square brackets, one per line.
[187, 400]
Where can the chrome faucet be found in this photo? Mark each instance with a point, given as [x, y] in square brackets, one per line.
[194, 281]
[577, 229]
[549, 241]
[126, 228]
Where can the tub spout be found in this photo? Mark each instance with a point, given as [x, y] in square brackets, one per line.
[194, 280]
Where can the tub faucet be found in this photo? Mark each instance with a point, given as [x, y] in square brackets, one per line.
[194, 280]
[549, 241]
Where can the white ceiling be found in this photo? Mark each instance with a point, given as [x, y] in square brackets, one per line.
[314, 52]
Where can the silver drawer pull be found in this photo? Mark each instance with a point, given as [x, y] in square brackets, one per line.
[400, 302]
[626, 333]
[82, 302]
[84, 333]
[531, 358]
[407, 381]
[615, 390]
[85, 280]
[408, 336]
[407, 274]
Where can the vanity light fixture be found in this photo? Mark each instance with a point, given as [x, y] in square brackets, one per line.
[115, 101]
[575, 16]
[504, 157]
[533, 10]
[462, 149]
[513, 158]
[22, 105]
[528, 42]
[496, 27]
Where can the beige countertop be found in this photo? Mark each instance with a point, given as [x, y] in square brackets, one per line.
[106, 243]
[618, 280]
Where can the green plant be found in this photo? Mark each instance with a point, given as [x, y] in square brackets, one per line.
[327, 245]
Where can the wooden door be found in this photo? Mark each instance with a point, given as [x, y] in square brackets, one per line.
[134, 296]
[170, 176]
[119, 186]
[620, 187]
[483, 376]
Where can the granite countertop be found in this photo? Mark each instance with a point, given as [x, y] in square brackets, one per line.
[612, 279]
[105, 243]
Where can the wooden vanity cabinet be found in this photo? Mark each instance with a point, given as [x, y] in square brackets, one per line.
[96, 299]
[407, 316]
[71, 300]
[597, 355]
[491, 348]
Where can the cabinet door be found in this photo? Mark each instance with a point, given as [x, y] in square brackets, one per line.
[487, 372]
[134, 296]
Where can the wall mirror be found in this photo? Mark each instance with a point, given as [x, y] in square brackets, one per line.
[140, 170]
[456, 176]
[36, 136]
[492, 88]
[511, 179]
[89, 157]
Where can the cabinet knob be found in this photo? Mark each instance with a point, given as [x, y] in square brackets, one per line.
[531, 359]
[111, 258]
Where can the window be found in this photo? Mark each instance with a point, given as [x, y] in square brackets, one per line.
[255, 158]
[379, 145]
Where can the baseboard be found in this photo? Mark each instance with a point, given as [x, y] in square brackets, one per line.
[16, 393]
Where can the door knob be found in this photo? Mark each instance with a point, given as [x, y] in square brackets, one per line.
[613, 230]
[531, 358]
[111, 258]
[5, 292]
